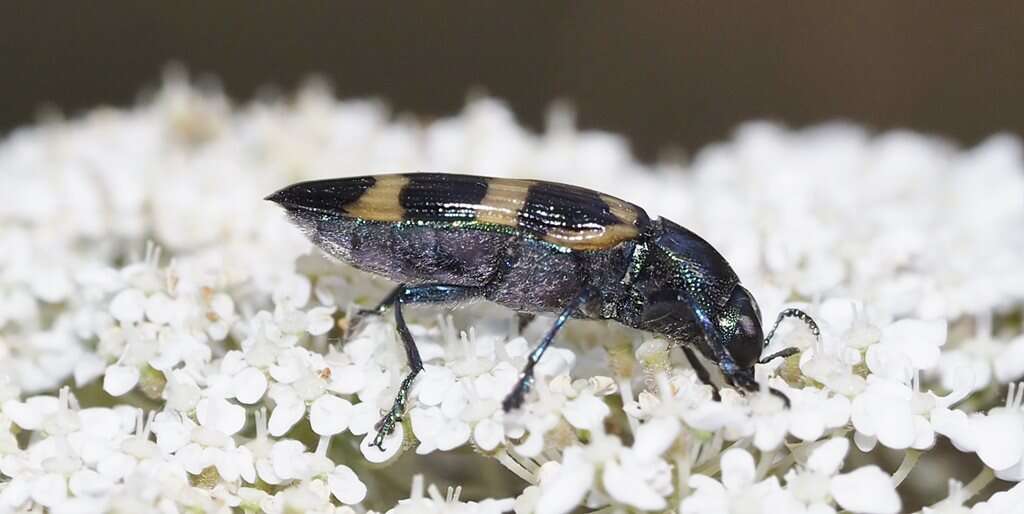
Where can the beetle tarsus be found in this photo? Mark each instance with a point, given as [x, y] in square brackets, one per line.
[386, 425]
[515, 399]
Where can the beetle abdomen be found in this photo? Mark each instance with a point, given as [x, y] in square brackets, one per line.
[414, 254]
[570, 217]
[522, 274]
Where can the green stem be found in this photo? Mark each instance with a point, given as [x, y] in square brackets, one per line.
[910, 458]
[980, 481]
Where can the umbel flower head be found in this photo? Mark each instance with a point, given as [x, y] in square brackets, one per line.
[170, 343]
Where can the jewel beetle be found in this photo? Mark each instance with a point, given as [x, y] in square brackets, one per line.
[535, 247]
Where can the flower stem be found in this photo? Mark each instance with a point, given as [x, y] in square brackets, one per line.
[764, 464]
[515, 467]
[910, 458]
[979, 482]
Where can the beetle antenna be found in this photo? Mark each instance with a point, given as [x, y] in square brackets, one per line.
[793, 313]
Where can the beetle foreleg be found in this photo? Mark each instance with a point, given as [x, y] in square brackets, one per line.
[432, 293]
[515, 398]
[702, 372]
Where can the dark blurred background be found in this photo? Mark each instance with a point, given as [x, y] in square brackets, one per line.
[666, 74]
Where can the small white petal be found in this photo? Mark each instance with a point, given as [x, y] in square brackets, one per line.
[455, 434]
[250, 384]
[284, 416]
[955, 425]
[319, 320]
[488, 434]
[16, 492]
[1000, 437]
[737, 469]
[656, 436]
[919, 340]
[30, 413]
[867, 490]
[293, 292]
[118, 379]
[346, 486]
[364, 416]
[330, 415]
[427, 423]
[628, 487]
[347, 380]
[128, 306]
[392, 444]
[865, 443]
[291, 366]
[221, 415]
[228, 466]
[828, 458]
[586, 412]
[567, 489]
[49, 490]
[288, 458]
[88, 368]
[434, 385]
[158, 308]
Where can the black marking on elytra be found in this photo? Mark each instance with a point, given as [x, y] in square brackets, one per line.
[438, 197]
[324, 196]
[559, 206]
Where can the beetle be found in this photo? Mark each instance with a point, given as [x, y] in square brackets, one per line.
[535, 247]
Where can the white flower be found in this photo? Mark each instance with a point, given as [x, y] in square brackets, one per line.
[996, 436]
[1001, 502]
[209, 443]
[868, 490]
[238, 311]
[636, 477]
[737, 487]
[346, 486]
[435, 503]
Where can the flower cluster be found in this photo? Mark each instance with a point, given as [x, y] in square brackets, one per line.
[169, 342]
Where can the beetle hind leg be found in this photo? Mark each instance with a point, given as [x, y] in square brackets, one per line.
[388, 301]
[515, 399]
[403, 295]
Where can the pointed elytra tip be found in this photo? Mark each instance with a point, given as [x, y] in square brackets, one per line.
[276, 196]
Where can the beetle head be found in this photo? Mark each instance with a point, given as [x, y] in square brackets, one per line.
[740, 327]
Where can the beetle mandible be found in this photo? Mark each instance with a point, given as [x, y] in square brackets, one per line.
[535, 247]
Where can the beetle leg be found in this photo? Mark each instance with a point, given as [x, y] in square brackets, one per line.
[432, 293]
[783, 353]
[388, 301]
[515, 398]
[702, 372]
[524, 319]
